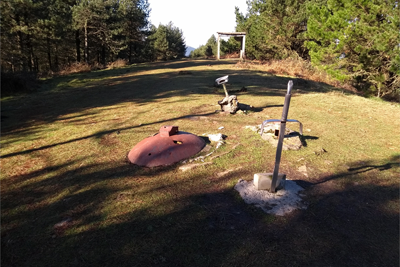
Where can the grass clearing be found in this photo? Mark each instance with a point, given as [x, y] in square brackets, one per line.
[69, 198]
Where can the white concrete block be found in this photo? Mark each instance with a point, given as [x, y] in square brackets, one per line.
[262, 181]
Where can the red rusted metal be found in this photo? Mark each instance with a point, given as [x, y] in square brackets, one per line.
[166, 148]
[166, 131]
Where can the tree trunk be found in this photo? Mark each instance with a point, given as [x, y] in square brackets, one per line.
[78, 46]
[103, 55]
[56, 57]
[31, 64]
[29, 48]
[86, 44]
[36, 64]
[49, 54]
[20, 42]
[130, 53]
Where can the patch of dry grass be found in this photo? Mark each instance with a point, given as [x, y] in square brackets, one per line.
[295, 67]
[117, 64]
[77, 67]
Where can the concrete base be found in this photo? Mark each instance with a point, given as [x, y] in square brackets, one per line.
[263, 181]
[291, 141]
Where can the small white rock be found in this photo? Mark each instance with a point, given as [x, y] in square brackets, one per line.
[215, 137]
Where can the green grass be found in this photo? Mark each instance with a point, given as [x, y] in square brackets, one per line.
[64, 150]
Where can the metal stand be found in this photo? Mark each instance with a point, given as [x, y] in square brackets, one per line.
[229, 103]
[281, 136]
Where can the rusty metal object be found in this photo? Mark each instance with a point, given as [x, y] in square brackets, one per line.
[166, 148]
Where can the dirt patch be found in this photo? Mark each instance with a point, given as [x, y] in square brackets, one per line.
[108, 140]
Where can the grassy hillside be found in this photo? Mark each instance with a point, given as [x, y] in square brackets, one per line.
[69, 198]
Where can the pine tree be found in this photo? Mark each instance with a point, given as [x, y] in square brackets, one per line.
[169, 42]
[45, 35]
[100, 22]
[275, 28]
[211, 46]
[357, 40]
[176, 41]
[19, 23]
[135, 27]
[230, 46]
[161, 43]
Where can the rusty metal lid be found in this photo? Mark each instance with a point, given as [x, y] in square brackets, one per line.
[165, 148]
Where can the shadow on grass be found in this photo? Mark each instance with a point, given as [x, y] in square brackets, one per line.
[129, 216]
[357, 169]
[136, 84]
[304, 138]
[97, 135]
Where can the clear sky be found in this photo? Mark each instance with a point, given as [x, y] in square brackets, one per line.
[199, 19]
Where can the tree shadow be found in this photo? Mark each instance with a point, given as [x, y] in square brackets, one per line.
[97, 135]
[99, 217]
[136, 84]
[357, 168]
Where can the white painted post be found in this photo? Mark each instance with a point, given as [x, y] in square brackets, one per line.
[243, 46]
[218, 47]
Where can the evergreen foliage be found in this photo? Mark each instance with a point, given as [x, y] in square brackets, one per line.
[353, 40]
[230, 46]
[358, 40]
[207, 50]
[210, 49]
[38, 36]
[275, 28]
[168, 42]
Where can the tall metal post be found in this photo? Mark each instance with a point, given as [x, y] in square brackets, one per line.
[281, 136]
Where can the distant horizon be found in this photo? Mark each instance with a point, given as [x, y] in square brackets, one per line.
[188, 50]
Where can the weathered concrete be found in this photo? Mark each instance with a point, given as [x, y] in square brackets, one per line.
[262, 181]
[291, 140]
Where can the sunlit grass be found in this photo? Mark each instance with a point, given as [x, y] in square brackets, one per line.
[64, 158]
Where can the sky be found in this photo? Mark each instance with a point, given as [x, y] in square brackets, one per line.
[198, 20]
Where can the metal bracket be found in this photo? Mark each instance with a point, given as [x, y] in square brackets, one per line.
[277, 120]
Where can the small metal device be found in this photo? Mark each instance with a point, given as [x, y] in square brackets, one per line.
[223, 80]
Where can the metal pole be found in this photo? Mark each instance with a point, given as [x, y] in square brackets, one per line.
[226, 92]
[281, 136]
